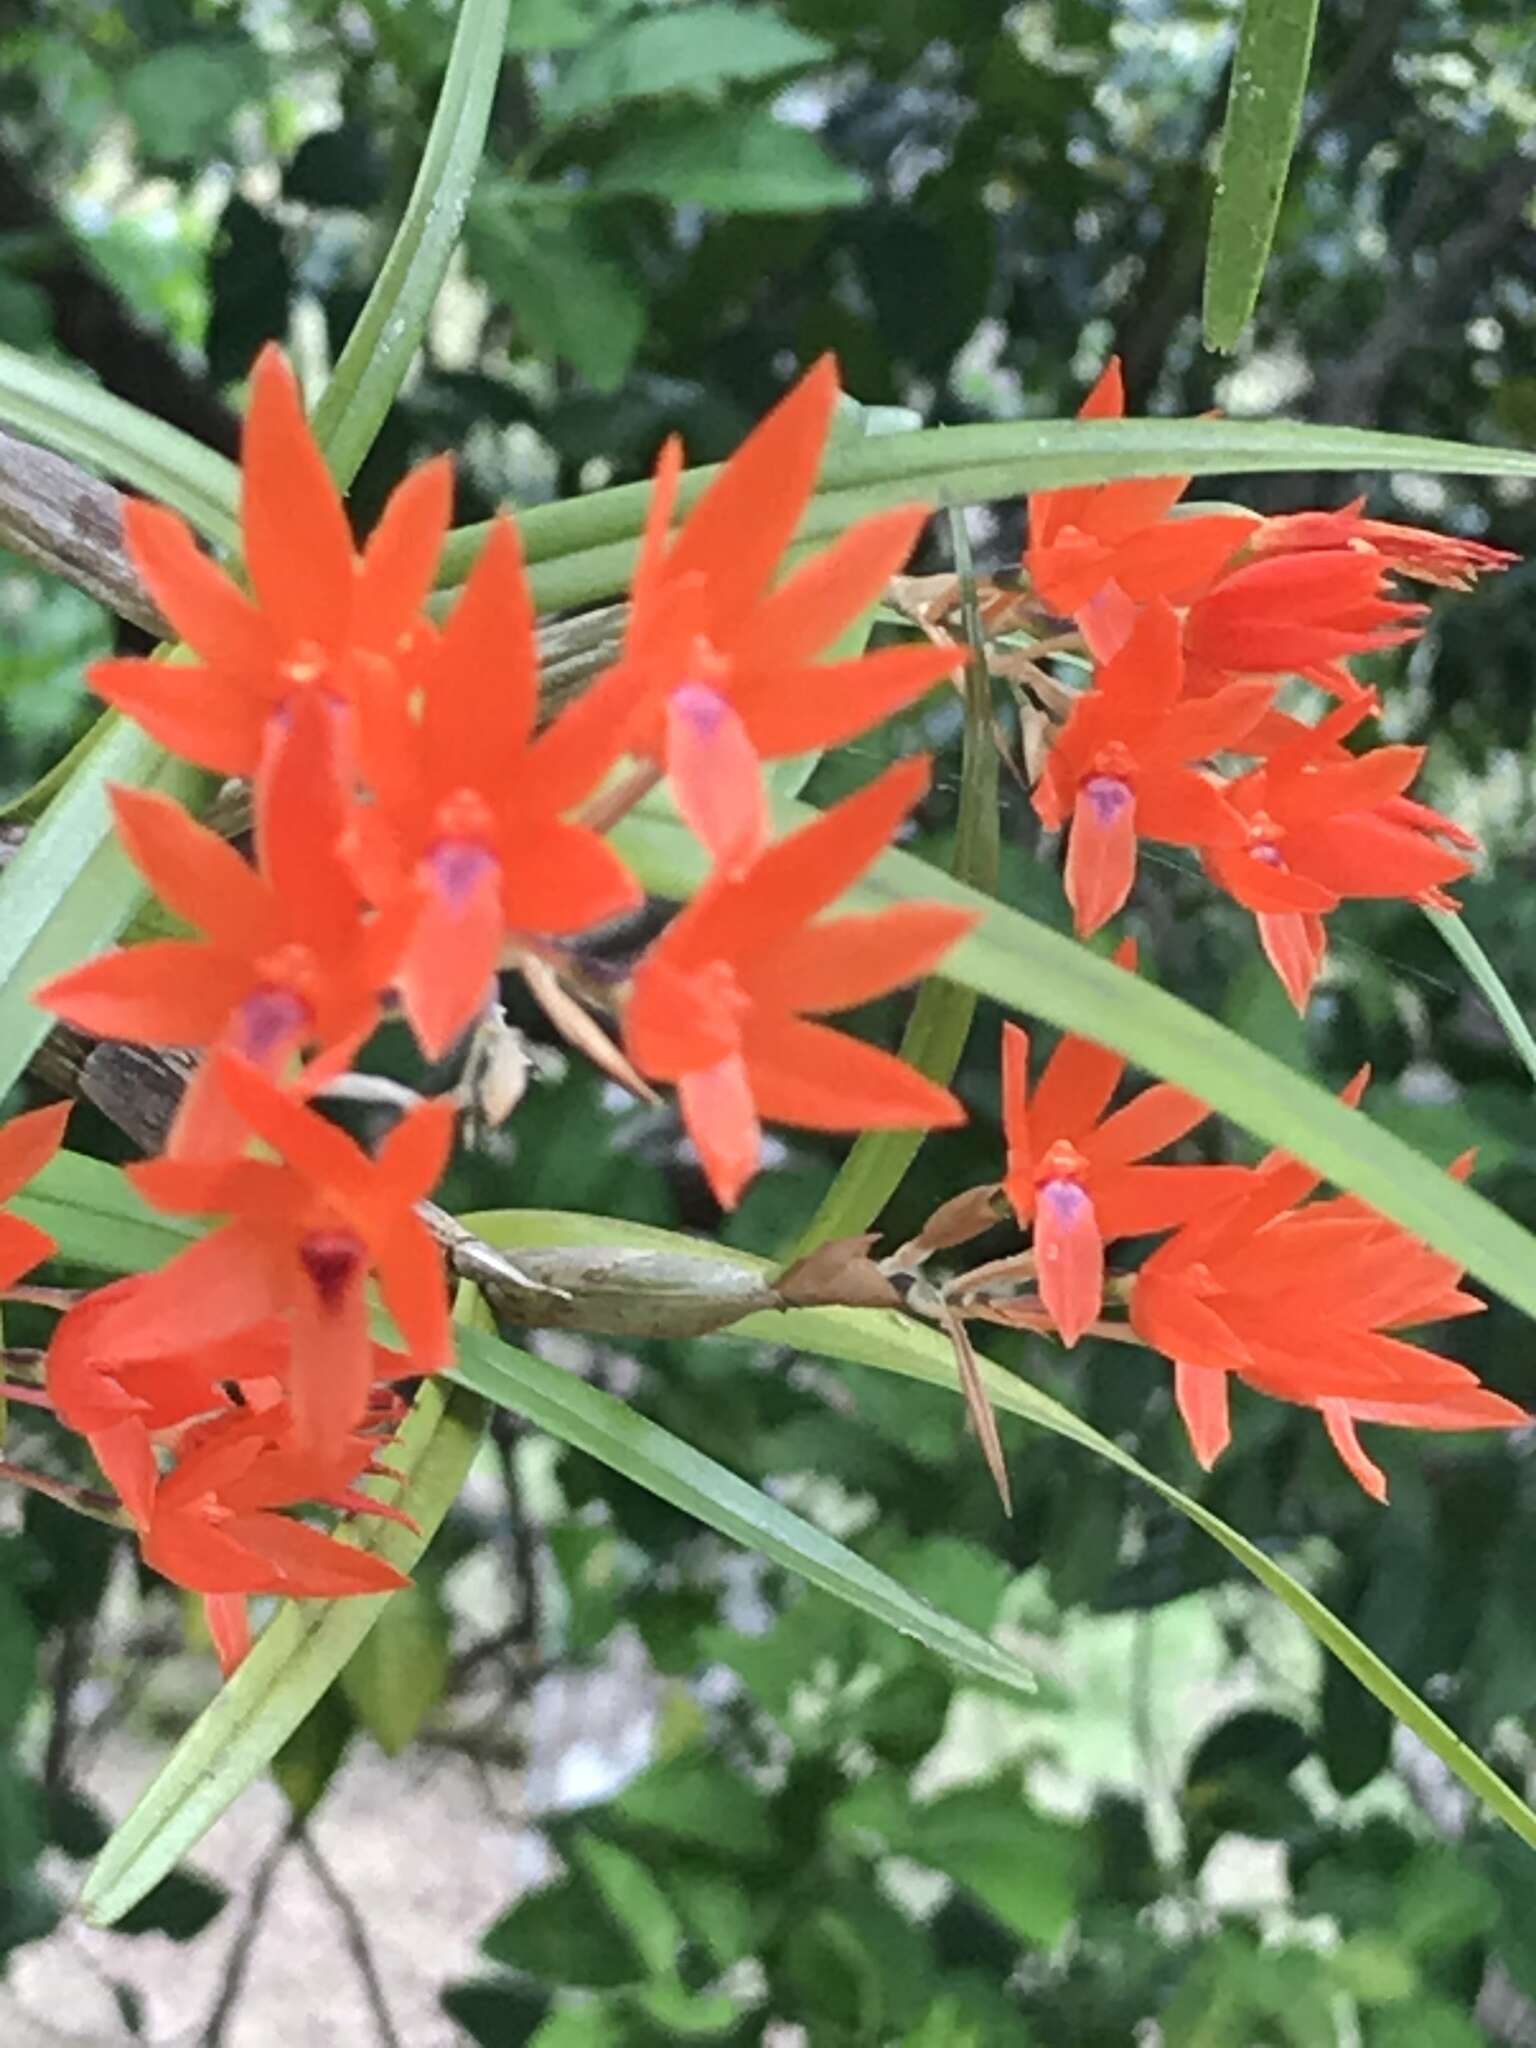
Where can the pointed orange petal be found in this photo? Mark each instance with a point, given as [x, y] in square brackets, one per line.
[718, 1110]
[411, 1279]
[1342, 1435]
[1069, 1257]
[483, 691]
[824, 596]
[411, 1159]
[808, 1074]
[167, 992]
[561, 878]
[737, 533]
[1295, 944]
[27, 1143]
[1204, 1405]
[198, 713]
[298, 546]
[1156, 1117]
[193, 871]
[799, 875]
[209, 611]
[400, 558]
[848, 960]
[829, 702]
[229, 1624]
[22, 1246]
[1071, 1094]
[1019, 1179]
[303, 810]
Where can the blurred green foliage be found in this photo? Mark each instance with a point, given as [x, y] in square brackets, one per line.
[1202, 1826]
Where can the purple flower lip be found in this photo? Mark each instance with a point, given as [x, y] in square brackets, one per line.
[333, 1259]
[269, 1019]
[1069, 1201]
[1109, 798]
[458, 866]
[1270, 855]
[703, 707]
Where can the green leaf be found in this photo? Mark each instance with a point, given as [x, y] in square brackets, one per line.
[182, 98]
[181, 1905]
[892, 1343]
[641, 1450]
[1020, 963]
[65, 411]
[634, 1899]
[379, 349]
[400, 1670]
[235, 1738]
[583, 548]
[740, 160]
[1269, 80]
[573, 302]
[309, 1759]
[685, 49]
[695, 1798]
[97, 1217]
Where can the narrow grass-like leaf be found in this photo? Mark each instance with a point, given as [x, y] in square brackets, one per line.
[582, 548]
[1457, 935]
[1019, 963]
[1269, 81]
[642, 1451]
[940, 1022]
[893, 1343]
[68, 413]
[97, 1218]
[294, 1660]
[379, 349]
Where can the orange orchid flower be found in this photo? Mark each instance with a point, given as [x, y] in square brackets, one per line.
[468, 818]
[322, 618]
[1297, 614]
[304, 1232]
[723, 1003]
[215, 1524]
[1122, 768]
[291, 957]
[1075, 1176]
[1304, 1304]
[704, 607]
[1325, 825]
[1446, 559]
[1104, 549]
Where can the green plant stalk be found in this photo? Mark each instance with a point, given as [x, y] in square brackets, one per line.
[940, 1023]
[378, 351]
[1269, 83]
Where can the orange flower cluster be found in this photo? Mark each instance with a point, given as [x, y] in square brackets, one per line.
[1299, 1299]
[413, 831]
[1193, 621]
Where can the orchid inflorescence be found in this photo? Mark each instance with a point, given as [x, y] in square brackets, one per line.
[414, 833]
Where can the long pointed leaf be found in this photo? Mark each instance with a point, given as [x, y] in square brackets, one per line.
[1269, 81]
[379, 349]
